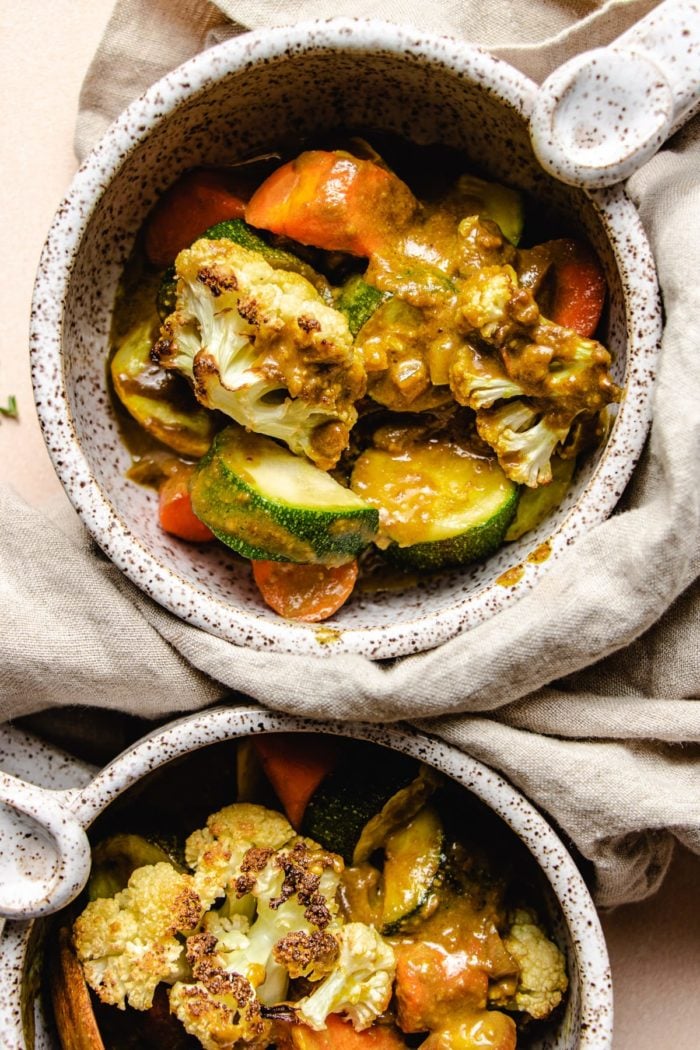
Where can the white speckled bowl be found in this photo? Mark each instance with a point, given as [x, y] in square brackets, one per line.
[243, 97]
[586, 1022]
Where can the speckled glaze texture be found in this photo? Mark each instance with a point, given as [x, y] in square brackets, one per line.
[601, 115]
[60, 775]
[586, 1023]
[246, 96]
[45, 854]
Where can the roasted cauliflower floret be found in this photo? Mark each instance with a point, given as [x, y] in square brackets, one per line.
[553, 362]
[220, 1008]
[216, 851]
[524, 438]
[478, 379]
[485, 297]
[311, 955]
[260, 345]
[359, 985]
[543, 979]
[529, 354]
[293, 921]
[129, 943]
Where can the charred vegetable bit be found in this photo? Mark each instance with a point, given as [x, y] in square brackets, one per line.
[261, 346]
[299, 303]
[269, 938]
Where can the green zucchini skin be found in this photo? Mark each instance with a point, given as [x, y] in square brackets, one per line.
[358, 301]
[478, 543]
[347, 799]
[265, 527]
[413, 858]
[241, 233]
[441, 503]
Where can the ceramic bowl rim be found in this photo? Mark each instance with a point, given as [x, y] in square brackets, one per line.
[163, 583]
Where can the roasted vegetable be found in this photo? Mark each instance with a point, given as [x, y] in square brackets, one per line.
[535, 505]
[360, 984]
[346, 800]
[261, 346]
[308, 592]
[489, 200]
[547, 376]
[216, 851]
[440, 502]
[175, 513]
[295, 766]
[413, 855]
[199, 198]
[116, 858]
[542, 980]
[268, 504]
[239, 232]
[128, 944]
[162, 403]
[358, 301]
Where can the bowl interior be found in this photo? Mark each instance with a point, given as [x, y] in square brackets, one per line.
[236, 101]
[490, 809]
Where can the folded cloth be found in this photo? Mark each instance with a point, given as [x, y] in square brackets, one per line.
[584, 693]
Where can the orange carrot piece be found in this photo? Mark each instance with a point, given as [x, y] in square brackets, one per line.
[333, 200]
[340, 1035]
[198, 200]
[579, 287]
[295, 764]
[304, 592]
[430, 982]
[175, 512]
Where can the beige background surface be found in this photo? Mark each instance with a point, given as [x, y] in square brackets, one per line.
[46, 48]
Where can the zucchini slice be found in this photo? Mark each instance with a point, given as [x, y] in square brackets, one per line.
[401, 807]
[493, 200]
[358, 301]
[264, 502]
[440, 503]
[161, 402]
[537, 504]
[348, 798]
[412, 859]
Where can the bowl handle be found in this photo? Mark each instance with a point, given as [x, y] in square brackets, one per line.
[604, 113]
[45, 860]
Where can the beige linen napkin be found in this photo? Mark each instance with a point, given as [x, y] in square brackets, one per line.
[585, 692]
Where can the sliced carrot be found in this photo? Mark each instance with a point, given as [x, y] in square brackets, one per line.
[295, 764]
[198, 200]
[579, 287]
[175, 512]
[340, 1035]
[304, 592]
[430, 982]
[332, 200]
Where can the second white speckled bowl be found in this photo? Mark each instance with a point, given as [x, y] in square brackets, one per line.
[238, 99]
[585, 1023]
